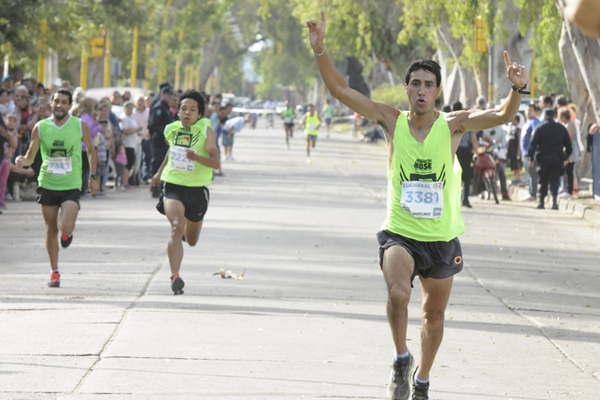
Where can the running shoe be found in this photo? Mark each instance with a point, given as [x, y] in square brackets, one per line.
[65, 240]
[54, 279]
[177, 285]
[420, 390]
[399, 386]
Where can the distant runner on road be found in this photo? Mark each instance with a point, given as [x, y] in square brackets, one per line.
[311, 128]
[288, 115]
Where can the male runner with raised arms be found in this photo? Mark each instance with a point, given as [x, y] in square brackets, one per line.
[420, 234]
[60, 179]
[187, 172]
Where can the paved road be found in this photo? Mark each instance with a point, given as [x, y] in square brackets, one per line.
[308, 321]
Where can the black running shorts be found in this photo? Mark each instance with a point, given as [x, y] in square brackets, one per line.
[194, 199]
[436, 260]
[47, 197]
[130, 153]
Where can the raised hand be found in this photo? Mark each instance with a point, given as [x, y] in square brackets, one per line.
[516, 73]
[317, 34]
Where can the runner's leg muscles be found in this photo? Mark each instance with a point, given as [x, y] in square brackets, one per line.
[68, 216]
[174, 211]
[50, 214]
[398, 266]
[192, 232]
[434, 297]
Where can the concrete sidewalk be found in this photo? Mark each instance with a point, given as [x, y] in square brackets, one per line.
[583, 207]
[308, 321]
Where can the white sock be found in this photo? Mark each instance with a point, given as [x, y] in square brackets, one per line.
[419, 380]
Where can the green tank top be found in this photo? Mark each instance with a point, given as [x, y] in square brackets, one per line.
[288, 116]
[60, 148]
[178, 169]
[312, 122]
[429, 174]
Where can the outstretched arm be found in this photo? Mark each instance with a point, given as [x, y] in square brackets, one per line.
[485, 119]
[337, 84]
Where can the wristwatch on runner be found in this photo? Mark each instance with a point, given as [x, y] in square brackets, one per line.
[521, 89]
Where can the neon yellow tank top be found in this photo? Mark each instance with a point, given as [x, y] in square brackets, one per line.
[420, 163]
[60, 148]
[312, 122]
[178, 169]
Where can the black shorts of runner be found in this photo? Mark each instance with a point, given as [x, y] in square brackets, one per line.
[195, 200]
[289, 125]
[436, 260]
[47, 197]
[327, 121]
[130, 152]
[311, 138]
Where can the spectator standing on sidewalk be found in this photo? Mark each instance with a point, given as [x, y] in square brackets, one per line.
[8, 142]
[564, 118]
[130, 131]
[87, 110]
[464, 153]
[513, 154]
[533, 121]
[7, 105]
[160, 116]
[550, 148]
[140, 115]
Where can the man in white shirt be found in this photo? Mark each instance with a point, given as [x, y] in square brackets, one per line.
[7, 105]
[140, 115]
[130, 129]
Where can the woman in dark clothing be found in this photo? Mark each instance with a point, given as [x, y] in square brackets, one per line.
[464, 154]
[513, 154]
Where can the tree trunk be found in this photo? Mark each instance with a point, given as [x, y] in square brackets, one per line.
[210, 59]
[453, 81]
[516, 45]
[586, 52]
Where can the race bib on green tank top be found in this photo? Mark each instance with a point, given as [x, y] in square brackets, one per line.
[423, 199]
[424, 184]
[179, 160]
[179, 169]
[60, 165]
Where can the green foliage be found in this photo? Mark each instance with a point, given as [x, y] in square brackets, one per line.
[543, 17]
[394, 32]
[426, 17]
[285, 64]
[392, 95]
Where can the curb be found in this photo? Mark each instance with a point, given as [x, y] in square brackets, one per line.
[568, 206]
[579, 210]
